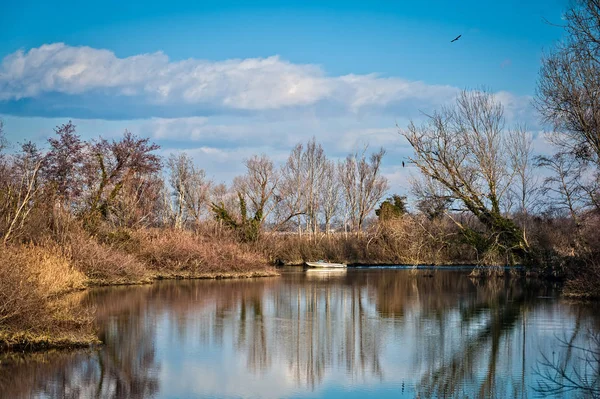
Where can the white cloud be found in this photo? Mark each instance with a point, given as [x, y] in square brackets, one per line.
[518, 109]
[244, 84]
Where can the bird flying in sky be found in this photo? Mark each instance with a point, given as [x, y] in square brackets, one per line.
[455, 39]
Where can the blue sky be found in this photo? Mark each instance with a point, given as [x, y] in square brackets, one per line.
[224, 80]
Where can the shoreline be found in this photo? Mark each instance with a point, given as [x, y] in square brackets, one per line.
[28, 341]
[31, 342]
[400, 266]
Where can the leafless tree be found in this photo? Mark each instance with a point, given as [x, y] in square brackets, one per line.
[525, 184]
[564, 187]
[292, 189]
[330, 194]
[20, 193]
[138, 203]
[464, 149]
[568, 94]
[301, 186]
[3, 165]
[190, 188]
[313, 161]
[362, 185]
[179, 169]
[221, 194]
[63, 167]
[432, 198]
[197, 194]
[258, 186]
[525, 188]
[111, 165]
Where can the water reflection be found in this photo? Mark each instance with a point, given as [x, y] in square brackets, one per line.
[381, 333]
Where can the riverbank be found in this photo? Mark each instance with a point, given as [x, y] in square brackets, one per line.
[39, 308]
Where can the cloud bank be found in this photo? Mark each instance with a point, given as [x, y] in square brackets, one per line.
[252, 84]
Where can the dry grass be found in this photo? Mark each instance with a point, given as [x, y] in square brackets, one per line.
[105, 265]
[183, 254]
[33, 309]
[402, 241]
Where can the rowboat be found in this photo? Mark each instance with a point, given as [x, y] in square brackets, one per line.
[325, 265]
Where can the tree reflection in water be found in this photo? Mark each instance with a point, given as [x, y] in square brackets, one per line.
[576, 368]
[446, 336]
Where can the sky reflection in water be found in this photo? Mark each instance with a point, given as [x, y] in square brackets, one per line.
[380, 333]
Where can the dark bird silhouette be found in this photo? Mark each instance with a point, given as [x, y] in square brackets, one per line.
[455, 39]
[402, 163]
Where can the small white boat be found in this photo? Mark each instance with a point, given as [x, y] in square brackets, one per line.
[325, 265]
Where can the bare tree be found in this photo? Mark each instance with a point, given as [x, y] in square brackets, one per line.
[301, 185]
[330, 194]
[463, 148]
[258, 186]
[179, 168]
[138, 202]
[433, 200]
[3, 164]
[113, 164]
[362, 185]
[525, 183]
[568, 94]
[564, 187]
[63, 168]
[198, 193]
[292, 189]
[313, 161]
[20, 194]
[525, 187]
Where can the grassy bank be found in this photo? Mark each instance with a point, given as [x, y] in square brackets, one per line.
[35, 310]
[38, 310]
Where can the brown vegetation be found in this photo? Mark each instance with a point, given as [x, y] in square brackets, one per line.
[105, 265]
[33, 311]
[410, 239]
[185, 254]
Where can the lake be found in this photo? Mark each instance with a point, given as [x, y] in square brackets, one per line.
[349, 334]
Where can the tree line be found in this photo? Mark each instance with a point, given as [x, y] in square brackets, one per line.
[124, 183]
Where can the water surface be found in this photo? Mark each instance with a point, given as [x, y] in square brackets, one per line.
[378, 333]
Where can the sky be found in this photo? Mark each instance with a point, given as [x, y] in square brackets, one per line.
[224, 80]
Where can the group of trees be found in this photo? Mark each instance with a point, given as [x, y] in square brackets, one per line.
[472, 164]
[96, 180]
[308, 194]
[124, 183]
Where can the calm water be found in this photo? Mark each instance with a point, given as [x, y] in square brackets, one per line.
[378, 333]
